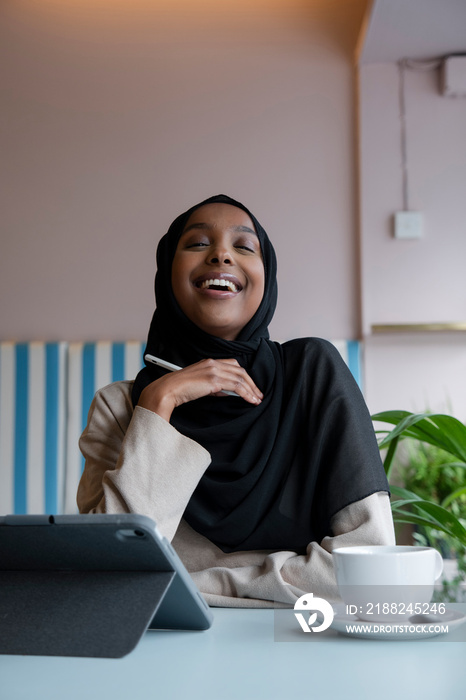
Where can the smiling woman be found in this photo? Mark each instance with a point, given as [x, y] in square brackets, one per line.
[254, 490]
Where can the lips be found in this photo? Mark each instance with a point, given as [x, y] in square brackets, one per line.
[220, 282]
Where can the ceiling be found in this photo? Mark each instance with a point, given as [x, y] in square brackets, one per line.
[418, 29]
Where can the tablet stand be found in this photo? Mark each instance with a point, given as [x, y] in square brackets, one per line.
[78, 613]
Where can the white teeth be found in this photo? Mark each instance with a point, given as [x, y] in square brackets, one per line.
[218, 283]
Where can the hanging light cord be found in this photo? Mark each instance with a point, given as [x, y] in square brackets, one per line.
[404, 155]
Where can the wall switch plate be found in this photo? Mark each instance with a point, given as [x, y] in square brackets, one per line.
[408, 224]
[453, 76]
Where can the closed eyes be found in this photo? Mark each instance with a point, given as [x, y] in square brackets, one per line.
[245, 247]
[202, 244]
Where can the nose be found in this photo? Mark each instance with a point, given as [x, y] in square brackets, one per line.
[220, 256]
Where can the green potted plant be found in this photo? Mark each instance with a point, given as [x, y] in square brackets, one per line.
[433, 495]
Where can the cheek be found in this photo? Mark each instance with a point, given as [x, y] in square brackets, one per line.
[258, 287]
[260, 278]
[179, 279]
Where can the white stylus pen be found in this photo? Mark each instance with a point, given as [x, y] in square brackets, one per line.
[173, 368]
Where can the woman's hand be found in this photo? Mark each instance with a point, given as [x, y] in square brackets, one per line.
[205, 378]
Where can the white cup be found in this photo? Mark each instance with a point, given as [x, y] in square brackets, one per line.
[387, 582]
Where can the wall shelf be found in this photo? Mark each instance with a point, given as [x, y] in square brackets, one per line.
[455, 327]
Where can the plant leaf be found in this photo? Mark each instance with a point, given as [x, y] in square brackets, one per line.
[410, 519]
[437, 429]
[451, 526]
[438, 517]
[453, 495]
[444, 518]
[404, 493]
[387, 464]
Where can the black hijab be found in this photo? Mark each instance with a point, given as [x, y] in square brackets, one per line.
[282, 469]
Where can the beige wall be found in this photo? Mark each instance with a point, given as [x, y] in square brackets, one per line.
[418, 281]
[119, 115]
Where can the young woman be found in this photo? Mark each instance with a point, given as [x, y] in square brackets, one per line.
[255, 489]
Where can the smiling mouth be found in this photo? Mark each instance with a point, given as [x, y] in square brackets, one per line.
[219, 284]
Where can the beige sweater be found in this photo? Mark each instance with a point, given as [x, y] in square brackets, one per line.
[136, 462]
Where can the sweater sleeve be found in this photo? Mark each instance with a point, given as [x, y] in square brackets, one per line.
[136, 462]
[266, 579]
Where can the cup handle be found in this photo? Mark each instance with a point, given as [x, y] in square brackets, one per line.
[438, 564]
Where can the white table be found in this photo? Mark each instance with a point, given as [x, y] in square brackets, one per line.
[238, 659]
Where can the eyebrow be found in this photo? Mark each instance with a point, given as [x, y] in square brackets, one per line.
[235, 229]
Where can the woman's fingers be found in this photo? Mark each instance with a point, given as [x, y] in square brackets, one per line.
[207, 377]
[228, 376]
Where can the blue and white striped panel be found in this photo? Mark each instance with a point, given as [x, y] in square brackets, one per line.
[32, 419]
[91, 366]
[350, 350]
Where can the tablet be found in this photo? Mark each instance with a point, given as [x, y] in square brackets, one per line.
[90, 585]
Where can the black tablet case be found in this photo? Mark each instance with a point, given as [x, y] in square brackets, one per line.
[90, 585]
